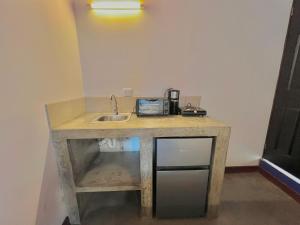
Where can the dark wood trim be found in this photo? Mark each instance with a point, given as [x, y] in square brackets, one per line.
[66, 221]
[241, 169]
[281, 185]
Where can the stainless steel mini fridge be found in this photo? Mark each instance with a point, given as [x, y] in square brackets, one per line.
[182, 167]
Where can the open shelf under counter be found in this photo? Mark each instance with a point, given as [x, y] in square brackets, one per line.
[112, 171]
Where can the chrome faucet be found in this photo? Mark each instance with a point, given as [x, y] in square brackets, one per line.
[114, 104]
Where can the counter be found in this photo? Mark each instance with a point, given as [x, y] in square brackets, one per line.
[147, 128]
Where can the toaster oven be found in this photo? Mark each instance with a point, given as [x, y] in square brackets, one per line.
[152, 107]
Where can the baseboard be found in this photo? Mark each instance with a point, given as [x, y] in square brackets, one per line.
[66, 221]
[241, 169]
[281, 180]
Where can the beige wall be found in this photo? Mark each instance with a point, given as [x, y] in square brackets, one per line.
[39, 63]
[228, 52]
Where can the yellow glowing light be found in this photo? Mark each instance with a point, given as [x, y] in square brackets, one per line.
[116, 4]
[118, 13]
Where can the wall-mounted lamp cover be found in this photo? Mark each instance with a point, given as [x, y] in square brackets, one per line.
[116, 4]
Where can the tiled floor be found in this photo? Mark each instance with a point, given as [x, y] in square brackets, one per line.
[247, 199]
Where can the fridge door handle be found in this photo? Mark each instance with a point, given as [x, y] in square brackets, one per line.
[181, 168]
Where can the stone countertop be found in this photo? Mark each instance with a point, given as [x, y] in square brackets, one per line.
[85, 122]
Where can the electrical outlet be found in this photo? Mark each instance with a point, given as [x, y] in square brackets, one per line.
[127, 92]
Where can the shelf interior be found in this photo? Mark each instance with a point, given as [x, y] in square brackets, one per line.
[108, 206]
[111, 171]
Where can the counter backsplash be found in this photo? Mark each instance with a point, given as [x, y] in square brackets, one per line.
[61, 112]
[127, 104]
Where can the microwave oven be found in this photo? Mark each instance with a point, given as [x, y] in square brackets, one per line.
[152, 107]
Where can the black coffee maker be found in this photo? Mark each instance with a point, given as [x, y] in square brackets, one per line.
[173, 96]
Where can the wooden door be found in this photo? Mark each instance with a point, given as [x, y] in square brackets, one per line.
[282, 145]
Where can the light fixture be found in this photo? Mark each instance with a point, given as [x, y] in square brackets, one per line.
[113, 13]
[120, 10]
[116, 4]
